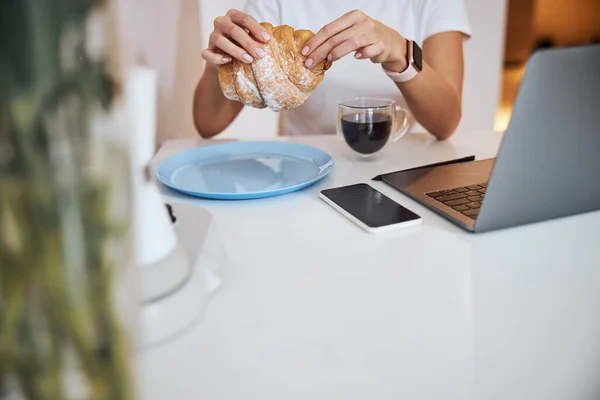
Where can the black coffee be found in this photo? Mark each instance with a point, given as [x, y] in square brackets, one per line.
[366, 134]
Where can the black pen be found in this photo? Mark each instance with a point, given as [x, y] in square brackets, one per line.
[439, 164]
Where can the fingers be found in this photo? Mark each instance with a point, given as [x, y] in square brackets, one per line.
[213, 57]
[372, 52]
[247, 22]
[228, 47]
[237, 35]
[323, 51]
[353, 44]
[343, 44]
[332, 29]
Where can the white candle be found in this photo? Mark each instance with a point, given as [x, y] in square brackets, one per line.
[140, 101]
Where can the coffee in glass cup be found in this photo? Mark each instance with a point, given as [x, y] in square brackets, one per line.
[368, 124]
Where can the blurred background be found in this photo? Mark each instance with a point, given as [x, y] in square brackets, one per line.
[533, 24]
[169, 36]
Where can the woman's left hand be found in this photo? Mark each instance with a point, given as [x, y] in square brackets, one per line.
[359, 33]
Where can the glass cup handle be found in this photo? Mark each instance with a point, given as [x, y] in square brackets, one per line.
[402, 123]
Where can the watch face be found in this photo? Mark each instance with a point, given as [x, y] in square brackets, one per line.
[417, 56]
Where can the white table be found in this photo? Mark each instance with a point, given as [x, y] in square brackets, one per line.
[313, 308]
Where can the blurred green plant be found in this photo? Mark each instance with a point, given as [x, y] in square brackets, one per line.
[59, 232]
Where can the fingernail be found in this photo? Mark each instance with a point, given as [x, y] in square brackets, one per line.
[248, 57]
[266, 36]
[308, 63]
[305, 50]
[357, 55]
[260, 52]
[329, 57]
[226, 59]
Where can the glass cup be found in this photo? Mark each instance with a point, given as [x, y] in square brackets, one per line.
[368, 124]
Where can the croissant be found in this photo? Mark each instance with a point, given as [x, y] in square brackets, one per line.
[279, 80]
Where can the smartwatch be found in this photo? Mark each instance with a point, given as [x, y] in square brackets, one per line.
[414, 58]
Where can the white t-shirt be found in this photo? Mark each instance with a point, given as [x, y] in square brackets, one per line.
[414, 19]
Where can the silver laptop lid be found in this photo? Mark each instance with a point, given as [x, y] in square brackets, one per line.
[548, 165]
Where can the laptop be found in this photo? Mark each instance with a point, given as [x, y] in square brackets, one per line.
[548, 165]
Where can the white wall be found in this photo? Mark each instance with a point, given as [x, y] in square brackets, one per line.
[166, 35]
[484, 54]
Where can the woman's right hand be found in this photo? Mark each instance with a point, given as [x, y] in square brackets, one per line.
[236, 35]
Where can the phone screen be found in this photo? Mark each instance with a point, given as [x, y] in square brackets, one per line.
[369, 205]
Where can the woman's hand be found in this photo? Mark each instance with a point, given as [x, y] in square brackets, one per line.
[357, 32]
[236, 35]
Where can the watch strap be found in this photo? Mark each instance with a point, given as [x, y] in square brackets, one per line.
[411, 70]
[409, 73]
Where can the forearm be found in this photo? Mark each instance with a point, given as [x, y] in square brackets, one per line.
[435, 103]
[434, 95]
[213, 112]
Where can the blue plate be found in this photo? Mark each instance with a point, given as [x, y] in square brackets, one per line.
[245, 170]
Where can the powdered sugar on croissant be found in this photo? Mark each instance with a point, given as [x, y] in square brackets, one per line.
[279, 80]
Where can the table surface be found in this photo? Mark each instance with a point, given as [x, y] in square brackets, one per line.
[314, 308]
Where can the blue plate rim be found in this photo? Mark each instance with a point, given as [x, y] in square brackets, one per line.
[252, 195]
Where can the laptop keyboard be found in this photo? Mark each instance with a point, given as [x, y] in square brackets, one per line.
[466, 200]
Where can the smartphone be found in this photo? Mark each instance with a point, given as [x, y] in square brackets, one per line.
[369, 208]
